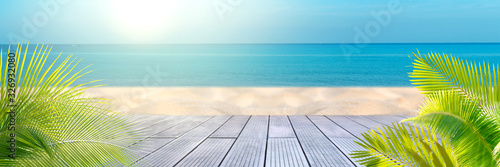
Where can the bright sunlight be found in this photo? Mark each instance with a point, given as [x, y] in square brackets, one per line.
[142, 17]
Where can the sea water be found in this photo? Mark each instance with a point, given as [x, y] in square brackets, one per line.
[259, 65]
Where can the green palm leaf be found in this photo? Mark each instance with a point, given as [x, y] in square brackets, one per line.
[56, 124]
[472, 134]
[472, 109]
[435, 72]
[404, 146]
[461, 107]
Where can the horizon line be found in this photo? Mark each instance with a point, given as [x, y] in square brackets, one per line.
[316, 43]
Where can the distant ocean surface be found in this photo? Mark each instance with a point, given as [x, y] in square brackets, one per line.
[260, 65]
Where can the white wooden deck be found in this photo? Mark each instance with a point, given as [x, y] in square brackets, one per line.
[253, 141]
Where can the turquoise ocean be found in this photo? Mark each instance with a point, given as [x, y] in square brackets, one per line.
[260, 65]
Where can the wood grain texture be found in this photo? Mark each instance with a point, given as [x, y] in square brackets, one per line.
[253, 141]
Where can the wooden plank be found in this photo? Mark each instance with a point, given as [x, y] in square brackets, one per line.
[368, 123]
[145, 120]
[279, 126]
[329, 128]
[250, 147]
[170, 121]
[385, 119]
[147, 146]
[183, 127]
[210, 153]
[347, 146]
[388, 119]
[253, 140]
[177, 149]
[148, 124]
[232, 128]
[156, 120]
[336, 134]
[318, 149]
[283, 152]
[352, 127]
[165, 125]
[406, 116]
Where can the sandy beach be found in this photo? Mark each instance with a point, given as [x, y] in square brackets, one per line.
[262, 100]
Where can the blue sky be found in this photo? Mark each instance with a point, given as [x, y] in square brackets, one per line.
[249, 21]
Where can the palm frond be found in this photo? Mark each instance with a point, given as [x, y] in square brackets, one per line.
[460, 120]
[56, 124]
[404, 145]
[461, 107]
[479, 81]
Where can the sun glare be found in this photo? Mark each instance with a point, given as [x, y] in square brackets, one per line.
[145, 16]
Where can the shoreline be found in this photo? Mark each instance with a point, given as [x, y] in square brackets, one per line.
[262, 100]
